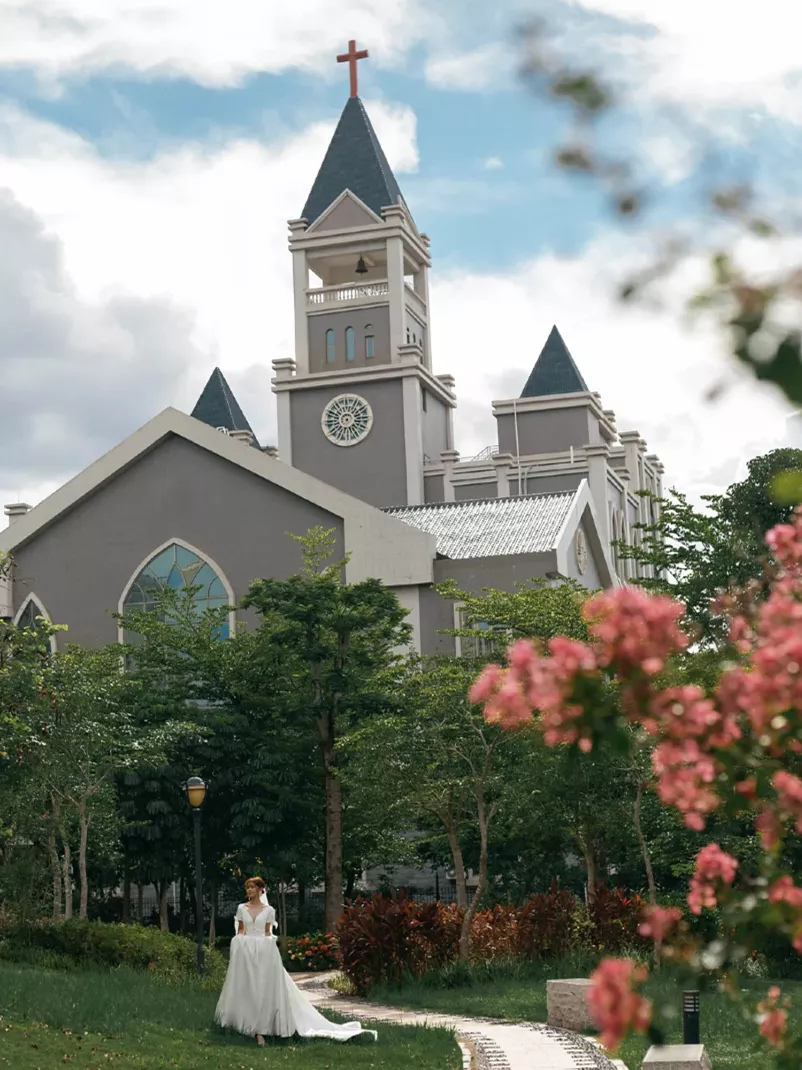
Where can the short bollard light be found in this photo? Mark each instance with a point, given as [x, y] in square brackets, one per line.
[690, 1017]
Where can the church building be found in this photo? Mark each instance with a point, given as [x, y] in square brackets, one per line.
[366, 447]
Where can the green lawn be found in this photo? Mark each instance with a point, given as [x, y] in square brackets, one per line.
[730, 1040]
[95, 1019]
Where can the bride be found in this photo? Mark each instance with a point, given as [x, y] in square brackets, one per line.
[259, 997]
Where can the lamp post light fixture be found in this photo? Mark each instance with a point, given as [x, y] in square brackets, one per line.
[195, 791]
[691, 1032]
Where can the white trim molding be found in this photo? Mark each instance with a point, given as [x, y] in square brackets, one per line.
[199, 554]
[33, 597]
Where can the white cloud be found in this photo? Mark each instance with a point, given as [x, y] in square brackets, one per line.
[493, 163]
[711, 53]
[206, 228]
[216, 44]
[473, 70]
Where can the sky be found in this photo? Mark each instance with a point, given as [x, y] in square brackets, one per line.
[152, 153]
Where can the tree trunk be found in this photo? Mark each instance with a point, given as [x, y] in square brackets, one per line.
[55, 868]
[182, 904]
[644, 847]
[465, 933]
[212, 913]
[66, 866]
[334, 836]
[163, 888]
[459, 866]
[350, 884]
[588, 855]
[126, 918]
[84, 825]
[140, 904]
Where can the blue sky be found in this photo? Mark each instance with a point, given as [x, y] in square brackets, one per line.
[151, 157]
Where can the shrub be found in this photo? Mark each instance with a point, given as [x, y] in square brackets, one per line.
[615, 917]
[382, 939]
[546, 924]
[76, 943]
[319, 951]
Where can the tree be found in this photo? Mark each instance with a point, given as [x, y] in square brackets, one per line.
[435, 757]
[87, 736]
[698, 555]
[338, 641]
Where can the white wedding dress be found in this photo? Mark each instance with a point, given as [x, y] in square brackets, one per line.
[260, 997]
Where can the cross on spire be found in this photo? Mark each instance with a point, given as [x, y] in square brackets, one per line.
[352, 57]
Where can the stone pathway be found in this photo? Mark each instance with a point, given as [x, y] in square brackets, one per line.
[497, 1045]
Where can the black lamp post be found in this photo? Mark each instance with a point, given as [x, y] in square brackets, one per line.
[691, 1033]
[195, 791]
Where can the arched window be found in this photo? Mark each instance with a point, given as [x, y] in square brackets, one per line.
[350, 351]
[31, 615]
[370, 344]
[177, 566]
[329, 347]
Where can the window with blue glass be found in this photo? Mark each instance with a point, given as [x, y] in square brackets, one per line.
[370, 343]
[330, 347]
[350, 351]
[177, 567]
[33, 618]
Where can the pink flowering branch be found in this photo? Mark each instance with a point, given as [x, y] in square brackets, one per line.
[735, 748]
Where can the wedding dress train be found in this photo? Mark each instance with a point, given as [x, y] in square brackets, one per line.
[260, 997]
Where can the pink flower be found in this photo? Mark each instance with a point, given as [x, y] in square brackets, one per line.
[636, 630]
[784, 891]
[685, 773]
[659, 922]
[789, 790]
[614, 1004]
[773, 1019]
[712, 865]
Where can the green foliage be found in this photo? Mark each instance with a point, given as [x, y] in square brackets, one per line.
[78, 944]
[536, 609]
[697, 554]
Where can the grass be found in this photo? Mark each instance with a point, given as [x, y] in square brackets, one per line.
[128, 1021]
[517, 991]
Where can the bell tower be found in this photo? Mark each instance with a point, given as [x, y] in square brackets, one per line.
[359, 407]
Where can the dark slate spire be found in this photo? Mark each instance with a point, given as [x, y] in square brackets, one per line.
[354, 160]
[218, 407]
[554, 371]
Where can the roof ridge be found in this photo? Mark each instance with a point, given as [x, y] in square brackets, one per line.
[475, 501]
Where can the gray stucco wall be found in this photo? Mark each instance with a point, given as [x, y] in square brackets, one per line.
[434, 420]
[547, 431]
[533, 484]
[80, 565]
[415, 330]
[468, 492]
[346, 214]
[433, 488]
[435, 614]
[374, 321]
[500, 572]
[374, 469]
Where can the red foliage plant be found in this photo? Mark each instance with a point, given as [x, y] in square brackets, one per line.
[383, 939]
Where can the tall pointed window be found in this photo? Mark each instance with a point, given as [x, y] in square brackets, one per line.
[350, 351]
[370, 344]
[32, 617]
[177, 567]
[329, 347]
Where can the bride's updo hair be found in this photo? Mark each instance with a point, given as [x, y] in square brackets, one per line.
[260, 884]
